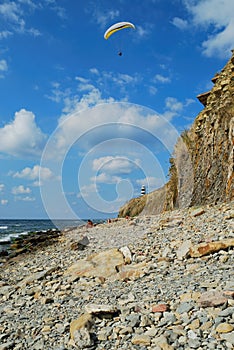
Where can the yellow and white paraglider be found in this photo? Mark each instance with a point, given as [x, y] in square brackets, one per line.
[116, 27]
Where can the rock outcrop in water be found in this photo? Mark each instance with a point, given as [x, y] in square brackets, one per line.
[201, 169]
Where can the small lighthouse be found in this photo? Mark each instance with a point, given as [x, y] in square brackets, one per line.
[143, 191]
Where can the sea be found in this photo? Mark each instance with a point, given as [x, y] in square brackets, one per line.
[10, 229]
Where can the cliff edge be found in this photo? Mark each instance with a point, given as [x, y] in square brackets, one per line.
[201, 170]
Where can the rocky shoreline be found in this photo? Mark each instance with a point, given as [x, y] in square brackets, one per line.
[27, 243]
[151, 282]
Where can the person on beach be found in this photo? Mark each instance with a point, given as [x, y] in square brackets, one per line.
[89, 224]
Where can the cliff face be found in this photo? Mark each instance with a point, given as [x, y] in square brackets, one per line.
[201, 169]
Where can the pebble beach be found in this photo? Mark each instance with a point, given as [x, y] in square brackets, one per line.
[149, 282]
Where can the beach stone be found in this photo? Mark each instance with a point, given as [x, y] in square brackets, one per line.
[101, 309]
[7, 346]
[81, 244]
[224, 328]
[102, 264]
[184, 249]
[146, 301]
[209, 248]
[126, 254]
[212, 298]
[162, 343]
[194, 343]
[141, 339]
[160, 308]
[132, 272]
[195, 324]
[133, 319]
[81, 338]
[197, 212]
[229, 337]
[184, 307]
[36, 277]
[79, 331]
[229, 311]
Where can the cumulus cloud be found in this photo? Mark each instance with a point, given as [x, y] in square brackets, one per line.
[105, 178]
[22, 137]
[14, 15]
[4, 201]
[2, 186]
[87, 190]
[173, 104]
[180, 23]
[94, 120]
[114, 165]
[33, 173]
[161, 79]
[20, 190]
[3, 67]
[217, 18]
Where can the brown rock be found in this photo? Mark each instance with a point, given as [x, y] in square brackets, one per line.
[101, 264]
[212, 298]
[160, 308]
[132, 272]
[141, 339]
[209, 248]
[79, 331]
[84, 320]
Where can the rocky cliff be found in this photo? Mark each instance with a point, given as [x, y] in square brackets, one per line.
[201, 169]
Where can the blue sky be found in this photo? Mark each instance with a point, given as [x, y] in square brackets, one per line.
[82, 128]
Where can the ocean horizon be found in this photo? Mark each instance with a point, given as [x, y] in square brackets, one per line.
[13, 228]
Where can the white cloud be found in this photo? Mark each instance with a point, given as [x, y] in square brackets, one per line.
[142, 32]
[105, 178]
[114, 165]
[180, 23]
[105, 17]
[4, 201]
[33, 173]
[5, 34]
[84, 84]
[99, 121]
[20, 190]
[22, 137]
[3, 67]
[161, 79]
[173, 104]
[11, 12]
[121, 79]
[2, 186]
[87, 190]
[152, 90]
[89, 100]
[94, 71]
[217, 18]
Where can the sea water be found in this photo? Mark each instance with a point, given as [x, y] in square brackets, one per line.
[10, 229]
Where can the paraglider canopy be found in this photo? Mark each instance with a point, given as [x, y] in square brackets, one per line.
[117, 26]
